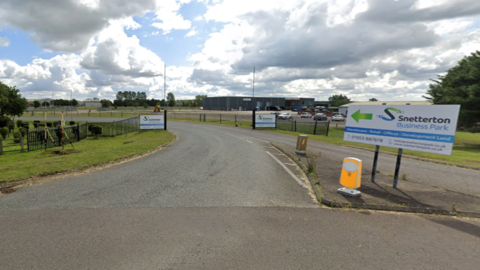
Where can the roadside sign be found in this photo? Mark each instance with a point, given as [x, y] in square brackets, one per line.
[152, 122]
[426, 128]
[265, 120]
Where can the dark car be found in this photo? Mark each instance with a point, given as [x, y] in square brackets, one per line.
[320, 117]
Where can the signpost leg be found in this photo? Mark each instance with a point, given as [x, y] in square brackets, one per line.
[397, 167]
[375, 159]
[165, 120]
[253, 119]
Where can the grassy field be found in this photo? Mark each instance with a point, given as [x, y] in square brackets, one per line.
[88, 152]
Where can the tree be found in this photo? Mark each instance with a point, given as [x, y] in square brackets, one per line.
[338, 100]
[36, 104]
[45, 104]
[105, 103]
[170, 99]
[75, 102]
[461, 85]
[373, 99]
[11, 101]
[199, 100]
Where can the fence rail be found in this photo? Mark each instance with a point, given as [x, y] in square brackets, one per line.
[16, 145]
[52, 137]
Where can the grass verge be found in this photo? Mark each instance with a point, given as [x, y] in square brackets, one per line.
[18, 166]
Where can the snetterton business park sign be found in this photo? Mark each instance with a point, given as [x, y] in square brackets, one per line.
[426, 128]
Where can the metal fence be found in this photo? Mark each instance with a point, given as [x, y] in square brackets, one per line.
[315, 128]
[36, 137]
[116, 128]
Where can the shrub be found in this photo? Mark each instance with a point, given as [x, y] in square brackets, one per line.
[26, 125]
[3, 132]
[96, 130]
[36, 121]
[16, 137]
[35, 124]
[4, 121]
[49, 124]
[23, 131]
[11, 126]
[19, 123]
[72, 123]
[56, 123]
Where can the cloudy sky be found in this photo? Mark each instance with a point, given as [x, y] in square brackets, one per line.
[383, 49]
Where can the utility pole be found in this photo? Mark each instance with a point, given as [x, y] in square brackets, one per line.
[253, 90]
[165, 85]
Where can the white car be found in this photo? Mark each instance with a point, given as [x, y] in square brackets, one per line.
[284, 116]
[305, 115]
[338, 117]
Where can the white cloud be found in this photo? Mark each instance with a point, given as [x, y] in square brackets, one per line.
[67, 25]
[168, 17]
[4, 42]
[191, 33]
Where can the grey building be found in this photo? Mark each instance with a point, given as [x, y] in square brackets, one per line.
[248, 103]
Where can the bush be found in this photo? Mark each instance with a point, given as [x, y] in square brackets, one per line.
[4, 121]
[36, 121]
[16, 137]
[96, 130]
[26, 125]
[56, 123]
[35, 124]
[72, 123]
[19, 123]
[49, 124]
[4, 132]
[23, 131]
[11, 126]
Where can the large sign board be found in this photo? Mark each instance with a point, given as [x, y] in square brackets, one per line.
[265, 120]
[426, 128]
[152, 122]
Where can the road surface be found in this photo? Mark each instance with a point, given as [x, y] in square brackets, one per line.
[218, 198]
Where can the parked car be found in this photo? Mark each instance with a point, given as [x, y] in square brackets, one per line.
[320, 117]
[276, 113]
[284, 116]
[305, 115]
[338, 117]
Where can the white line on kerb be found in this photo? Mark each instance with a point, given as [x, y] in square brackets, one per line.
[288, 170]
[243, 139]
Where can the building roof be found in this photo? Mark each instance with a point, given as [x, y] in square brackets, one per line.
[389, 103]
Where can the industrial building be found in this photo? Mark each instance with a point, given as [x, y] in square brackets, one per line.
[247, 103]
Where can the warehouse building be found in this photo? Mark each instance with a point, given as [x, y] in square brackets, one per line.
[247, 103]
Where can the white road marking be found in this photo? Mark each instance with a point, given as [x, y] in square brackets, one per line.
[259, 139]
[243, 139]
[288, 170]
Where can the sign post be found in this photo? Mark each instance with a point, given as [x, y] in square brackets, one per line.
[426, 128]
[265, 120]
[152, 122]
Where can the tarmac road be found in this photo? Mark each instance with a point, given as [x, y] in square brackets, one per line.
[215, 199]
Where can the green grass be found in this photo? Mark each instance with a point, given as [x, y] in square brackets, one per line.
[88, 152]
[466, 149]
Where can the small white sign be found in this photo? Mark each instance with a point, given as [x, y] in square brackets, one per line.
[152, 122]
[247, 99]
[426, 128]
[265, 120]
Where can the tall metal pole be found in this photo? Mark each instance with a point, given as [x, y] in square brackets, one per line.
[165, 85]
[253, 90]
[71, 103]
